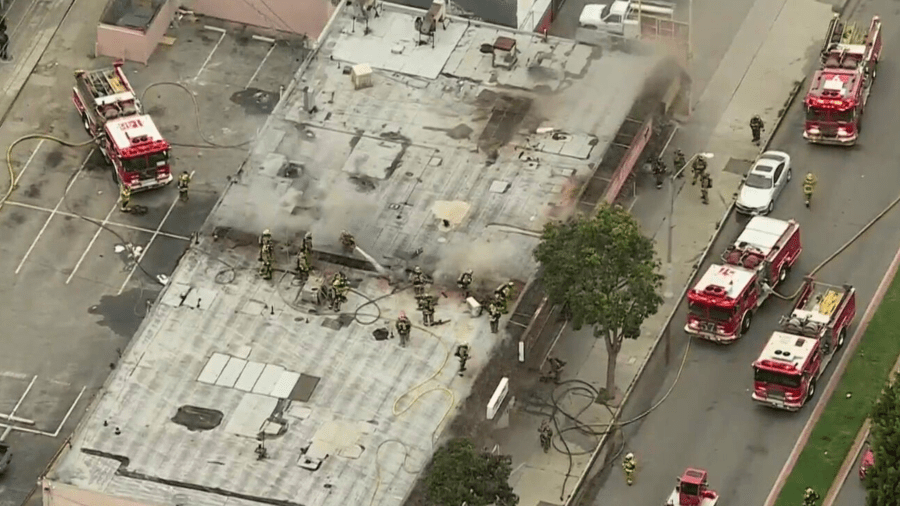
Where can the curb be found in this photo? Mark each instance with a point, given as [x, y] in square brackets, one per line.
[573, 497]
[850, 460]
[833, 381]
[847, 466]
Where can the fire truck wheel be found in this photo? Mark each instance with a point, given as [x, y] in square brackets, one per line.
[783, 273]
[811, 391]
[841, 337]
[86, 123]
[745, 322]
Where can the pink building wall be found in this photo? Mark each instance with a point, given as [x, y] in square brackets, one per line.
[307, 17]
[61, 494]
[135, 45]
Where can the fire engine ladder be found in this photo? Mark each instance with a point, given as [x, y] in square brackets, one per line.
[853, 35]
[104, 82]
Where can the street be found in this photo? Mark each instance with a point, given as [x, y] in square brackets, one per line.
[709, 420]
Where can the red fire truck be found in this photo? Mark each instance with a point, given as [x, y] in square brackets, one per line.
[722, 303]
[840, 88]
[786, 372]
[693, 490]
[128, 138]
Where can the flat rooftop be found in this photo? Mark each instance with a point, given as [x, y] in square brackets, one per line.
[437, 164]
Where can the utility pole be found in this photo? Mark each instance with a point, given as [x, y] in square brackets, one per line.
[669, 293]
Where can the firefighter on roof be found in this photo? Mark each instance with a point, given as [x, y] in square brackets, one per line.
[303, 264]
[265, 245]
[546, 434]
[809, 186]
[464, 281]
[340, 288]
[418, 281]
[348, 241]
[629, 465]
[462, 353]
[678, 162]
[756, 127]
[426, 304]
[698, 168]
[403, 328]
[307, 244]
[183, 181]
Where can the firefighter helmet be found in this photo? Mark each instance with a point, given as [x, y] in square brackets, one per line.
[417, 270]
[267, 232]
[810, 178]
[630, 456]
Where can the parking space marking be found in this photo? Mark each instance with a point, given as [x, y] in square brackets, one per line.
[109, 224]
[93, 240]
[211, 53]
[263, 62]
[16, 408]
[9, 428]
[69, 412]
[21, 173]
[53, 212]
[140, 257]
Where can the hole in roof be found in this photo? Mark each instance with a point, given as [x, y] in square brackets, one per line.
[194, 418]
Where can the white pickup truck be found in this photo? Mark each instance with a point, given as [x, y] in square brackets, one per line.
[620, 18]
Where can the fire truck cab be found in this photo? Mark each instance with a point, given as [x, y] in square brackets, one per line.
[128, 138]
[693, 490]
[786, 372]
[722, 303]
[840, 88]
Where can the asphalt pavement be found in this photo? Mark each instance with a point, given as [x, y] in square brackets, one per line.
[709, 421]
[72, 292]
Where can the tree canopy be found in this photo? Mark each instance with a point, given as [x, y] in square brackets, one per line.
[604, 270]
[461, 474]
[883, 479]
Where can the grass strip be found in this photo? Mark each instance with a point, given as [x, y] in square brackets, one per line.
[865, 377]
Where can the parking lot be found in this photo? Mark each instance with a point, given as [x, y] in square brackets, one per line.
[76, 274]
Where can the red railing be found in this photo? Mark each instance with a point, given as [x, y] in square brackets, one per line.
[626, 166]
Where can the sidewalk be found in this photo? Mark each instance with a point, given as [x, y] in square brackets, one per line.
[756, 76]
[30, 26]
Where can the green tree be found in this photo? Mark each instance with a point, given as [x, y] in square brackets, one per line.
[883, 479]
[461, 474]
[605, 272]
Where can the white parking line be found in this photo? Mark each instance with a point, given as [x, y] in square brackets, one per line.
[263, 62]
[22, 172]
[156, 233]
[52, 213]
[93, 240]
[28, 162]
[222, 37]
[15, 408]
[69, 412]
[109, 224]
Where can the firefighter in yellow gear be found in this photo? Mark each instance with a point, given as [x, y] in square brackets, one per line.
[809, 186]
[125, 197]
[629, 465]
[184, 180]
